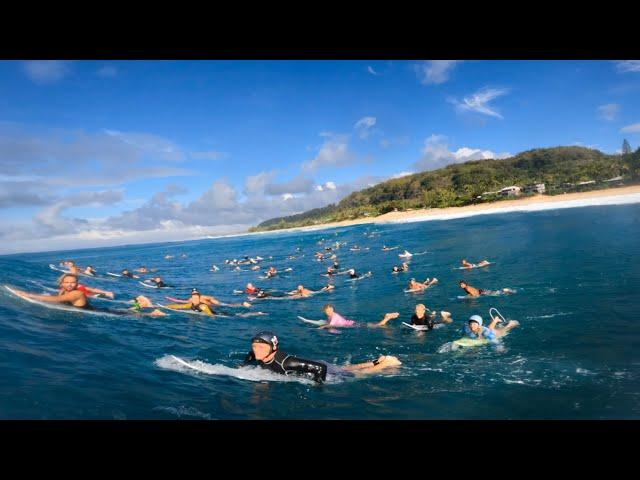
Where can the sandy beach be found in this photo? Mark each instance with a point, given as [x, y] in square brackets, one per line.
[630, 194]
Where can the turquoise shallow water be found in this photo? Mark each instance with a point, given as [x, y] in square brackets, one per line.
[576, 354]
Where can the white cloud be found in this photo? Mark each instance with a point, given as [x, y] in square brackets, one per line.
[330, 186]
[46, 71]
[479, 102]
[634, 128]
[434, 72]
[107, 71]
[299, 184]
[286, 196]
[256, 184]
[334, 152]
[628, 66]
[319, 188]
[436, 154]
[608, 111]
[372, 71]
[364, 125]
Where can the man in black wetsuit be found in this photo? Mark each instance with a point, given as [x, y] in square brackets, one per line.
[425, 317]
[264, 349]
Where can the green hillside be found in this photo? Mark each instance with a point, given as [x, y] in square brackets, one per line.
[560, 169]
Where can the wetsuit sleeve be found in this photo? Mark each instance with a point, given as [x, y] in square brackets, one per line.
[300, 365]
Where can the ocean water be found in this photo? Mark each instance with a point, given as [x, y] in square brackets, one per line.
[575, 355]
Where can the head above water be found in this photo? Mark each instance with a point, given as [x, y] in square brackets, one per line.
[263, 344]
[328, 309]
[420, 310]
[475, 322]
[69, 282]
[462, 284]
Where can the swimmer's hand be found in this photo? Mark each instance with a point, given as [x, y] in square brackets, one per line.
[109, 294]
[391, 315]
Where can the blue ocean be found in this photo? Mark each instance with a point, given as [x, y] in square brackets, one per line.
[575, 355]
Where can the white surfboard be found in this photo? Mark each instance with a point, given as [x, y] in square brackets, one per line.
[56, 306]
[318, 323]
[416, 327]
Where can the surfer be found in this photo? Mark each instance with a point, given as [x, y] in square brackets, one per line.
[210, 300]
[158, 281]
[414, 285]
[141, 302]
[272, 272]
[195, 303]
[88, 291]
[142, 270]
[69, 293]
[406, 253]
[476, 292]
[89, 271]
[337, 320]
[476, 330]
[300, 292]
[403, 268]
[423, 316]
[266, 351]
[481, 263]
[126, 273]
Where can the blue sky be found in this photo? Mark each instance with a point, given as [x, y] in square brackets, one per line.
[99, 153]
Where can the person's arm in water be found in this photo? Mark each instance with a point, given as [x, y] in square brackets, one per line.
[301, 365]
[98, 291]
[250, 357]
[384, 361]
[210, 299]
[73, 296]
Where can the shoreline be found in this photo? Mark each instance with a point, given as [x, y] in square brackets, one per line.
[609, 196]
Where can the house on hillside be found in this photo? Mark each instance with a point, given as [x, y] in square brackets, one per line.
[588, 182]
[534, 188]
[511, 191]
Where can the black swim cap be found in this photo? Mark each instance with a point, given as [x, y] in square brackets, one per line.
[266, 337]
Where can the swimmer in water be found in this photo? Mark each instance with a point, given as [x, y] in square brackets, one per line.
[423, 316]
[331, 271]
[475, 329]
[413, 285]
[476, 292]
[406, 253]
[265, 349]
[337, 320]
[69, 293]
[141, 270]
[482, 263]
[251, 289]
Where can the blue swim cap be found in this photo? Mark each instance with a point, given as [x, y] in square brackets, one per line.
[476, 318]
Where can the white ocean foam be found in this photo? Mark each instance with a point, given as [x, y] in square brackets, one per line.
[253, 374]
[533, 207]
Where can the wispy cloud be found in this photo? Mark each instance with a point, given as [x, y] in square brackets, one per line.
[479, 102]
[434, 72]
[609, 111]
[436, 154]
[46, 71]
[626, 66]
[634, 128]
[363, 126]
